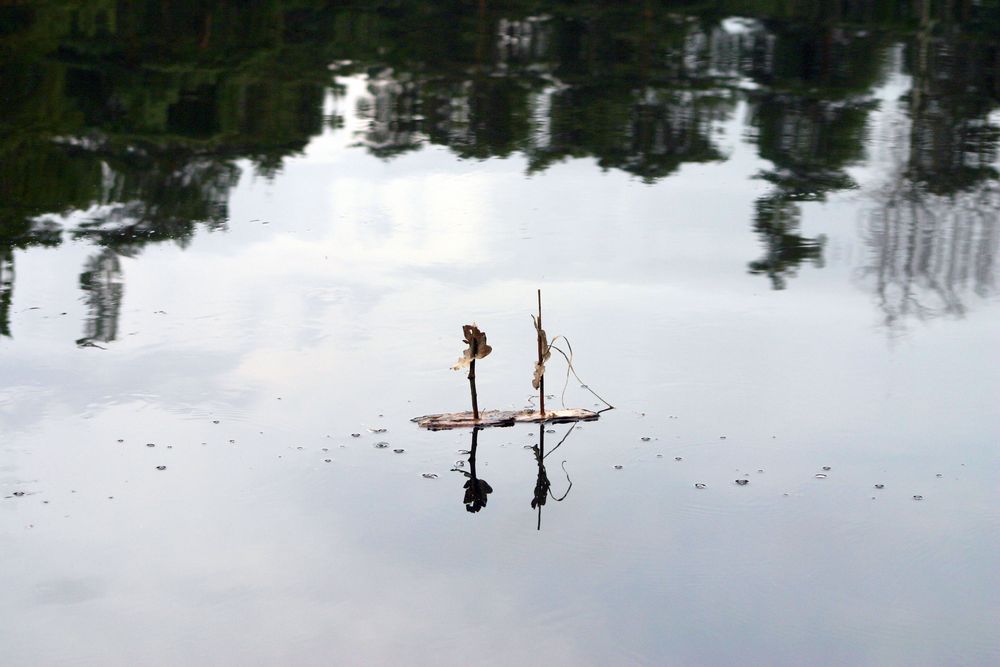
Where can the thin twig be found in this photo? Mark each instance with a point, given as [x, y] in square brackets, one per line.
[541, 361]
[472, 386]
[571, 369]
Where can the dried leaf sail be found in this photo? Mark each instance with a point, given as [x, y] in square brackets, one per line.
[477, 349]
[546, 353]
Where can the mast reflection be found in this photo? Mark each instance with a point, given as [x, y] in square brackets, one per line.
[543, 487]
[476, 490]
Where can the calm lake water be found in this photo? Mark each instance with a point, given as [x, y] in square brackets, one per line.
[237, 248]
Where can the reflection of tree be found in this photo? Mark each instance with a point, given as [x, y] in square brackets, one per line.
[810, 124]
[934, 233]
[476, 490]
[649, 133]
[101, 282]
[41, 236]
[928, 249]
[125, 120]
[139, 113]
[392, 112]
[160, 196]
[776, 221]
[555, 90]
[6, 288]
[144, 111]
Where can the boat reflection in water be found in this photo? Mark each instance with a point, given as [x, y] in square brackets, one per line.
[477, 490]
[543, 487]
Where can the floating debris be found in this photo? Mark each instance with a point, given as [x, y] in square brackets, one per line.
[121, 440]
[355, 435]
[743, 482]
[215, 421]
[880, 486]
[398, 451]
[429, 475]
[819, 475]
[918, 497]
[161, 467]
[502, 418]
[645, 438]
[18, 494]
[618, 467]
[659, 456]
[826, 467]
[678, 458]
[327, 460]
[699, 485]
[378, 430]
[381, 445]
[939, 475]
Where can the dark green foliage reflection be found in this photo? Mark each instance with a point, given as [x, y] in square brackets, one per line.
[127, 123]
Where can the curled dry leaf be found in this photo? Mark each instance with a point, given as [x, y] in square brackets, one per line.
[546, 353]
[536, 381]
[477, 349]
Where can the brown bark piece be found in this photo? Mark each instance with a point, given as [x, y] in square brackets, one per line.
[487, 418]
[564, 416]
[450, 420]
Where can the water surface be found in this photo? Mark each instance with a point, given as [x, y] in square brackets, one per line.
[232, 239]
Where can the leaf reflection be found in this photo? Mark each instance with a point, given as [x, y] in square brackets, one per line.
[476, 490]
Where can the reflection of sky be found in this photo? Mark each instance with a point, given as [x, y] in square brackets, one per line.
[348, 304]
